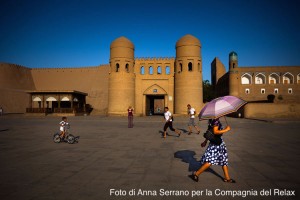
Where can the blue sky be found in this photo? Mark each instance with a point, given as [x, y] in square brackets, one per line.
[78, 33]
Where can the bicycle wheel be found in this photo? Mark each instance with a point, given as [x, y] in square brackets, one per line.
[56, 138]
[71, 139]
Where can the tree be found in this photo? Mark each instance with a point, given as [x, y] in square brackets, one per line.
[208, 91]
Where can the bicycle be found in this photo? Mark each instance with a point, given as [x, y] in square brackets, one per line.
[69, 138]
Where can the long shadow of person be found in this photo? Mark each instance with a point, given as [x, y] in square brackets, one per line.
[162, 134]
[183, 130]
[187, 156]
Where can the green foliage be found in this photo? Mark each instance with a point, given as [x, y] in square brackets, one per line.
[208, 91]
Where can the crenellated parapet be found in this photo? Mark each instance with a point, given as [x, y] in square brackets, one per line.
[17, 66]
[154, 58]
[71, 68]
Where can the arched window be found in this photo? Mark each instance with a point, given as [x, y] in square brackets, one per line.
[246, 79]
[260, 79]
[65, 99]
[199, 67]
[151, 70]
[37, 99]
[158, 70]
[117, 67]
[288, 78]
[180, 68]
[167, 70]
[142, 71]
[190, 67]
[298, 78]
[274, 78]
[51, 99]
[127, 67]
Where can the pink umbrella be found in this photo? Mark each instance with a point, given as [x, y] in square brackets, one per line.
[221, 106]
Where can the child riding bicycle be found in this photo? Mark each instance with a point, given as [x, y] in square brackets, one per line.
[63, 125]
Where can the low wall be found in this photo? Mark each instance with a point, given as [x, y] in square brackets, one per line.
[272, 110]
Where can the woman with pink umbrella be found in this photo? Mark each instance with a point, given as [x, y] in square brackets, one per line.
[216, 152]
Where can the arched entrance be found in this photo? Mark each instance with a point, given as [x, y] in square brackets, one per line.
[155, 104]
[154, 100]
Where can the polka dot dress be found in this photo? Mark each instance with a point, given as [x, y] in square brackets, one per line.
[215, 154]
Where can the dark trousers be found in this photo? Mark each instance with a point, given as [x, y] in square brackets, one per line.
[130, 121]
[170, 125]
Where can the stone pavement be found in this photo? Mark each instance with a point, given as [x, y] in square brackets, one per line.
[114, 162]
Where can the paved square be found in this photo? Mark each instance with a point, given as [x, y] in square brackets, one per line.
[111, 157]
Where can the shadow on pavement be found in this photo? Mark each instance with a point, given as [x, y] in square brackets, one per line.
[172, 135]
[187, 156]
[183, 130]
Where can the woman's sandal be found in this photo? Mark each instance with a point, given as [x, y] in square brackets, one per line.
[195, 177]
[229, 180]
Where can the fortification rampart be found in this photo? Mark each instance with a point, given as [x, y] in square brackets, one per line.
[90, 80]
[14, 81]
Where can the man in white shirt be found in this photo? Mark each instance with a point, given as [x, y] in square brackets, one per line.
[169, 123]
[192, 113]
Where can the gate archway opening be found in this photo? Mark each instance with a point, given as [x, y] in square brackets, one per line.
[155, 105]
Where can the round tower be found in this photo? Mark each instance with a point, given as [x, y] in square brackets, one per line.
[233, 74]
[188, 74]
[121, 89]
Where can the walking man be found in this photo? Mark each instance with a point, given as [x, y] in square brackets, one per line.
[191, 124]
